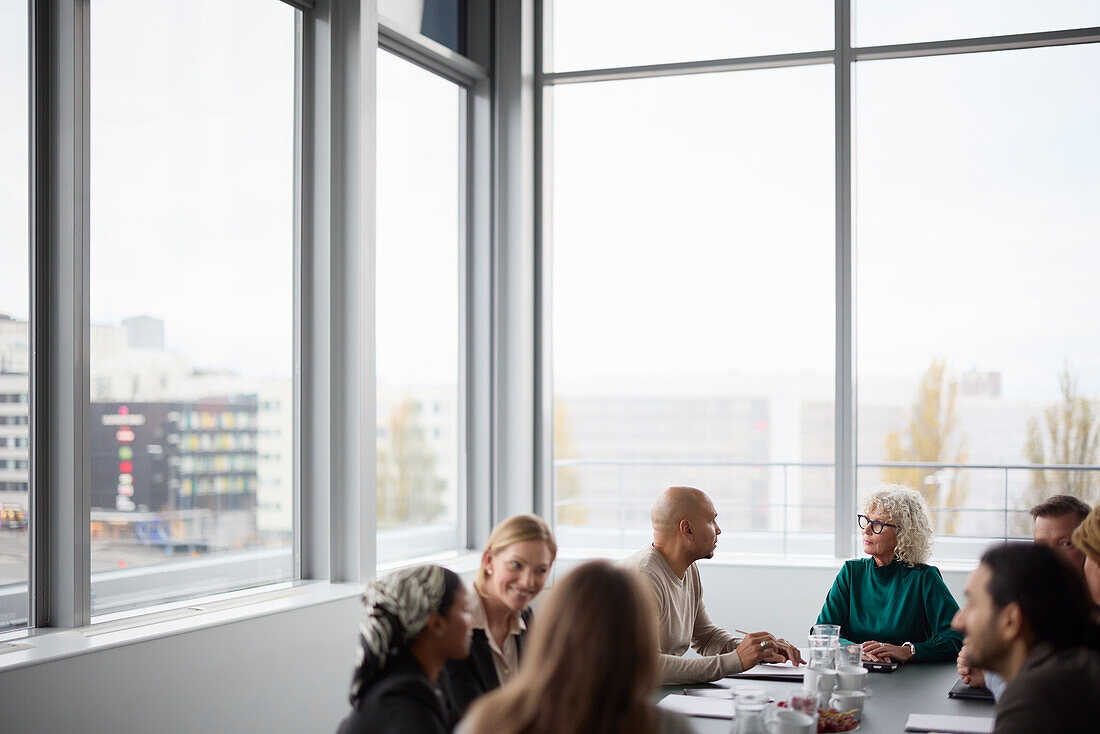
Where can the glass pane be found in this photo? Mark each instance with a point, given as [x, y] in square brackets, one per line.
[440, 20]
[418, 311]
[977, 182]
[191, 297]
[587, 34]
[14, 313]
[693, 324]
[911, 21]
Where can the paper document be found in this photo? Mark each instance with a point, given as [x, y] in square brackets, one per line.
[773, 671]
[953, 724]
[711, 708]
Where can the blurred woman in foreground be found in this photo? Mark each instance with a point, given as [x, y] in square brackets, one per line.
[591, 666]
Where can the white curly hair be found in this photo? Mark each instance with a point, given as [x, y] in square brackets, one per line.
[907, 509]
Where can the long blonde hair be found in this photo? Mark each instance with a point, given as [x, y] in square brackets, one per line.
[516, 529]
[591, 664]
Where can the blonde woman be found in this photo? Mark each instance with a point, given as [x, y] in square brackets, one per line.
[1087, 538]
[591, 666]
[514, 568]
[893, 603]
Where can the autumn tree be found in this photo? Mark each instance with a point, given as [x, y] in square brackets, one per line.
[567, 481]
[409, 491]
[932, 436]
[1071, 436]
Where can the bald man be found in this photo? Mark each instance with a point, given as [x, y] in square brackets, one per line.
[685, 529]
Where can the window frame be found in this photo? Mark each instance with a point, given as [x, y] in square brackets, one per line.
[844, 57]
[334, 207]
[472, 81]
[60, 557]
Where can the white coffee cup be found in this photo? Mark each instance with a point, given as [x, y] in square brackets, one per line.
[851, 678]
[820, 680]
[845, 701]
[785, 721]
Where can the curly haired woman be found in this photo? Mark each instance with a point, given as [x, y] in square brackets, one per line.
[893, 603]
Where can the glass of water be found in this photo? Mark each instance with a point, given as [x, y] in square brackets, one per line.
[832, 631]
[822, 652]
[851, 656]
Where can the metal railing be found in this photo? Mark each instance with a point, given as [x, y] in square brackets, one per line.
[625, 503]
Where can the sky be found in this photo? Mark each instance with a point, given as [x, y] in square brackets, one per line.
[191, 175]
[417, 247]
[693, 224]
[692, 217]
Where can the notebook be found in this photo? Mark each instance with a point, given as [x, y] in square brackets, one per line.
[951, 724]
[711, 708]
[772, 671]
[962, 690]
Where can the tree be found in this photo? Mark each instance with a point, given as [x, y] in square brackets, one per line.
[567, 482]
[1072, 436]
[409, 492]
[932, 436]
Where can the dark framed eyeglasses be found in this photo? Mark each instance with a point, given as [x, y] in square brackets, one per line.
[876, 525]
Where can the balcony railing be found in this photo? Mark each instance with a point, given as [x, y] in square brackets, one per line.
[995, 510]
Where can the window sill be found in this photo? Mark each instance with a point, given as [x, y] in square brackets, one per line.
[24, 648]
[464, 563]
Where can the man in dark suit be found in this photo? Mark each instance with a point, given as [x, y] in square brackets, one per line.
[1027, 617]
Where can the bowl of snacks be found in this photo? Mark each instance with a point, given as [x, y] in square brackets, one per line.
[831, 720]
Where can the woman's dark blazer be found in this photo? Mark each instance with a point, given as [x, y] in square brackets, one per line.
[464, 680]
[402, 701]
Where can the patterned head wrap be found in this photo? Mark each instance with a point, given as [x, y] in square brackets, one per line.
[395, 610]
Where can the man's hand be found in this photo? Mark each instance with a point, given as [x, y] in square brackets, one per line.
[764, 647]
[971, 675]
[882, 652]
[784, 651]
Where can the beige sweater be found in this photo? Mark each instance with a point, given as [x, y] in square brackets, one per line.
[684, 622]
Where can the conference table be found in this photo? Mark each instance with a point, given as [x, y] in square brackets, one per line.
[912, 689]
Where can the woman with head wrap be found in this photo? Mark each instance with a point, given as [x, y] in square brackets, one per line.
[414, 621]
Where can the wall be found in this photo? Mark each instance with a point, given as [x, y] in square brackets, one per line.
[286, 672]
[781, 599]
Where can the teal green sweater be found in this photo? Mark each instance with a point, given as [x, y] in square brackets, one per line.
[894, 604]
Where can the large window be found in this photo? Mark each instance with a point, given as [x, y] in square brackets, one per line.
[192, 292]
[14, 313]
[977, 185]
[912, 21]
[693, 338]
[614, 33]
[419, 256]
[697, 221]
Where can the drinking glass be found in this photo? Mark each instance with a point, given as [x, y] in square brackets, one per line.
[749, 702]
[822, 651]
[851, 656]
[832, 631]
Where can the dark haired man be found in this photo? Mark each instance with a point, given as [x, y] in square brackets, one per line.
[1026, 618]
[1055, 520]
